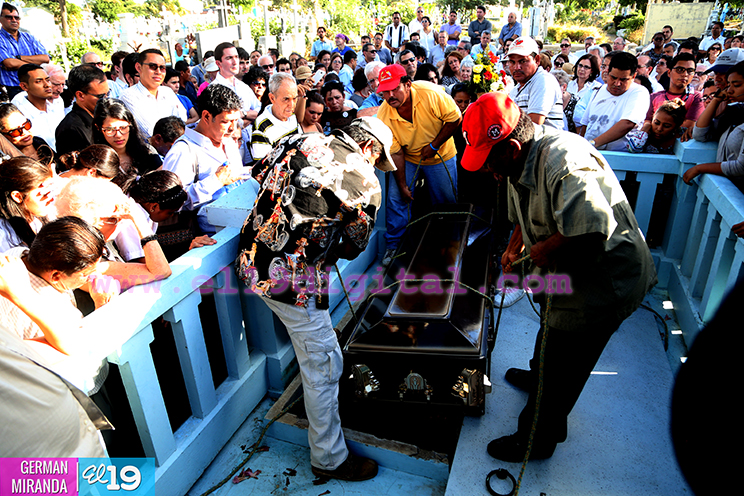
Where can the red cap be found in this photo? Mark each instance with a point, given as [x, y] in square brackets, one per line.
[389, 77]
[489, 120]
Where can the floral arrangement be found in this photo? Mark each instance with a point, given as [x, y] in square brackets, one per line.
[485, 78]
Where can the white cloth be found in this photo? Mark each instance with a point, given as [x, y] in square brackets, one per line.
[194, 149]
[148, 109]
[606, 110]
[428, 41]
[250, 102]
[573, 87]
[44, 122]
[709, 40]
[541, 94]
[415, 26]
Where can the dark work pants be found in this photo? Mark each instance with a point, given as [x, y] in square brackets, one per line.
[570, 357]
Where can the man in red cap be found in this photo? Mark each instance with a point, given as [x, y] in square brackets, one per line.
[571, 216]
[422, 118]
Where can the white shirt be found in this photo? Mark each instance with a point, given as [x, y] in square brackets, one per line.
[415, 26]
[573, 87]
[116, 87]
[44, 122]
[250, 102]
[541, 94]
[606, 110]
[194, 149]
[428, 41]
[396, 36]
[709, 40]
[148, 109]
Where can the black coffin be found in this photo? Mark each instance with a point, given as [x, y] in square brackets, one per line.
[425, 334]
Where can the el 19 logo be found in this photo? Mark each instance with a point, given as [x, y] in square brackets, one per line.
[124, 476]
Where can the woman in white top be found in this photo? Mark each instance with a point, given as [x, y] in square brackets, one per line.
[586, 71]
[428, 36]
[26, 197]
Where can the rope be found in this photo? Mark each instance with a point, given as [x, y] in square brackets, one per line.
[346, 295]
[254, 450]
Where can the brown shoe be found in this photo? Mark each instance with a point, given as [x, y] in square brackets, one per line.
[355, 468]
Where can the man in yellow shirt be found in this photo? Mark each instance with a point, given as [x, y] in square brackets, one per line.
[422, 118]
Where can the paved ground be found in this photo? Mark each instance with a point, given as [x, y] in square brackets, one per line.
[618, 437]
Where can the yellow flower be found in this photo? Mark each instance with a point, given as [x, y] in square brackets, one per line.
[476, 78]
[478, 68]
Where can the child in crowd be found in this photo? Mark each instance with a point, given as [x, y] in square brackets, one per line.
[666, 127]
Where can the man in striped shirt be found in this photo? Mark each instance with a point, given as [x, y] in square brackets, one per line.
[16, 49]
[278, 119]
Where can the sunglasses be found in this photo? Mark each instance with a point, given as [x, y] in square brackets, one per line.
[155, 67]
[683, 70]
[558, 64]
[111, 131]
[12, 17]
[110, 221]
[698, 74]
[565, 45]
[98, 96]
[582, 66]
[258, 83]
[658, 39]
[408, 61]
[14, 133]
[96, 64]
[267, 67]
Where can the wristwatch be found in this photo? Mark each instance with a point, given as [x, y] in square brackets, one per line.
[591, 142]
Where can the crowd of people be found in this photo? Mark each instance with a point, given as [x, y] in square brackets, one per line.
[105, 174]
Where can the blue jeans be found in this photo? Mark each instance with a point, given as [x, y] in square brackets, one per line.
[442, 189]
[321, 364]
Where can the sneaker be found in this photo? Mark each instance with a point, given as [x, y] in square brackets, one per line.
[355, 468]
[510, 298]
[387, 259]
[513, 448]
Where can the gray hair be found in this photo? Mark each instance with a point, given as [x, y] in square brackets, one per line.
[466, 62]
[89, 198]
[278, 79]
[85, 56]
[561, 75]
[371, 67]
[595, 48]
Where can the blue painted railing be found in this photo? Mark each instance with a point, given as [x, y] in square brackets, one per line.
[698, 260]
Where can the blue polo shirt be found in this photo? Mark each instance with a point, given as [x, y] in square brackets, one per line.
[10, 49]
[507, 31]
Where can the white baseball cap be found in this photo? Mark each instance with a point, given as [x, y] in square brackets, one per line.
[524, 45]
[727, 60]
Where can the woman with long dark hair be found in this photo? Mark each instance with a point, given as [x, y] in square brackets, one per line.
[114, 125]
[25, 200]
[17, 129]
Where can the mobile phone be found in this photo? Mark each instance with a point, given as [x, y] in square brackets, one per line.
[319, 74]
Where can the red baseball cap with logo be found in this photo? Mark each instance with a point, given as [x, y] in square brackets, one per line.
[389, 77]
[489, 120]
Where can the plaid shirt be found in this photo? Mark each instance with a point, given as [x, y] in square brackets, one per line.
[10, 48]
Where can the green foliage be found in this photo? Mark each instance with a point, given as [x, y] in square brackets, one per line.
[74, 16]
[574, 33]
[634, 22]
[108, 10]
[76, 48]
[460, 5]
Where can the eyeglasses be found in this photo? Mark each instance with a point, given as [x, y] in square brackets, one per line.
[707, 98]
[582, 66]
[111, 131]
[14, 133]
[698, 74]
[154, 67]
[683, 70]
[565, 45]
[12, 17]
[267, 67]
[408, 61]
